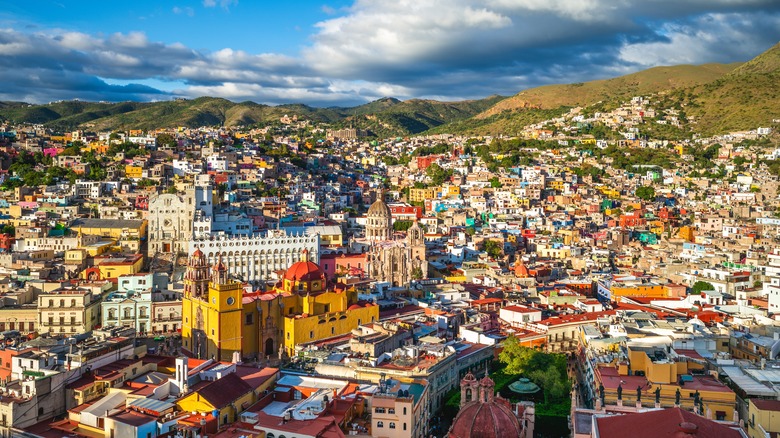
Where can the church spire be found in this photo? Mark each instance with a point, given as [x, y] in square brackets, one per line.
[219, 272]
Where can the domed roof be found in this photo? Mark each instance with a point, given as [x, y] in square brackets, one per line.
[197, 259]
[485, 420]
[524, 386]
[304, 271]
[379, 209]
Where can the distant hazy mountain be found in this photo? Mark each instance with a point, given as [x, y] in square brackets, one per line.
[721, 97]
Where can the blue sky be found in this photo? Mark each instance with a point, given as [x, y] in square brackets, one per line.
[349, 52]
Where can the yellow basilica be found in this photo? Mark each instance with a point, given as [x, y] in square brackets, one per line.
[220, 318]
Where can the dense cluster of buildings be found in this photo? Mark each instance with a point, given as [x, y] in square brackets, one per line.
[216, 286]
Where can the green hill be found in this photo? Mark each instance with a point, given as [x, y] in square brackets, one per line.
[386, 117]
[644, 82]
[746, 98]
[717, 97]
[389, 116]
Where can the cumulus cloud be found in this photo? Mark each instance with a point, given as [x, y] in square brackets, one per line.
[450, 49]
[709, 38]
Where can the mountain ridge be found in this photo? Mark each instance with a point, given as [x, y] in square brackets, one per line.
[719, 97]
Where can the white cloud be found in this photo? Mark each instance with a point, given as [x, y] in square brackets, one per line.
[188, 11]
[710, 38]
[405, 48]
[222, 3]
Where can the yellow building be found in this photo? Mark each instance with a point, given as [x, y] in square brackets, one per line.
[420, 195]
[450, 191]
[134, 172]
[313, 312]
[229, 395]
[650, 369]
[219, 318]
[763, 418]
[212, 311]
[115, 228]
[639, 290]
[110, 266]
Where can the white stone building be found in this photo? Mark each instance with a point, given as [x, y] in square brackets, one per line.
[171, 218]
[258, 257]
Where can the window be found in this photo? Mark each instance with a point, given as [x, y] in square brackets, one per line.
[380, 424]
[379, 410]
[72, 303]
[404, 414]
[391, 410]
[404, 426]
[249, 319]
[311, 334]
[288, 336]
[297, 395]
[392, 425]
[333, 330]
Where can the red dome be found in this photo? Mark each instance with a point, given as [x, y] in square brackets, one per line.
[304, 271]
[485, 420]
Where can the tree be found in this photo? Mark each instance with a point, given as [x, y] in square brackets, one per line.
[438, 174]
[646, 193]
[166, 140]
[515, 356]
[417, 273]
[495, 183]
[700, 286]
[402, 225]
[494, 249]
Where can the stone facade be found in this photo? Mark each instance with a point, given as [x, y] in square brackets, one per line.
[257, 258]
[171, 218]
[397, 262]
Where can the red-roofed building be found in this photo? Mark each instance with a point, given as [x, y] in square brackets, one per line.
[673, 422]
[763, 418]
[518, 315]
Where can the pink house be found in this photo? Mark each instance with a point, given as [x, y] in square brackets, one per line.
[352, 264]
[51, 152]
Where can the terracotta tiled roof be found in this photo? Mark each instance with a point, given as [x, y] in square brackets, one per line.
[222, 392]
[663, 423]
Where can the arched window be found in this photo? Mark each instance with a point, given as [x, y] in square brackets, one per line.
[468, 395]
[380, 424]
